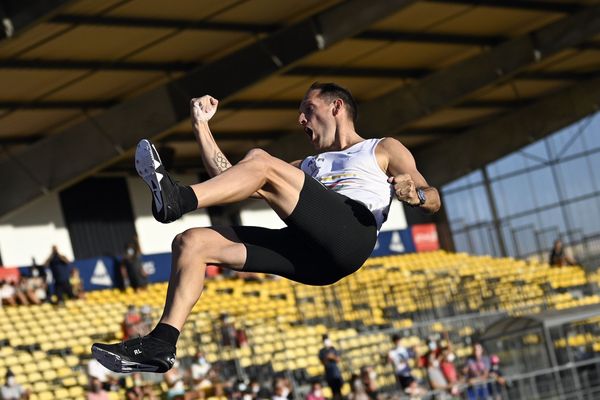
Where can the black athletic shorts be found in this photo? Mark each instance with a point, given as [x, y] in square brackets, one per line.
[328, 236]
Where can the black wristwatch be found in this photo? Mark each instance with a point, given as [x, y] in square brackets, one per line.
[421, 195]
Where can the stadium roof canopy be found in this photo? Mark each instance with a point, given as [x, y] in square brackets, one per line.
[83, 81]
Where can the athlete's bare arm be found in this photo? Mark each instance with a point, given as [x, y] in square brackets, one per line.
[399, 164]
[202, 110]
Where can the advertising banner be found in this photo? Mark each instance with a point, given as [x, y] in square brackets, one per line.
[394, 242]
[425, 237]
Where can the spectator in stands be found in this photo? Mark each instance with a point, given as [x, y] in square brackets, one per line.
[11, 390]
[400, 357]
[61, 272]
[8, 293]
[558, 255]
[230, 335]
[131, 323]
[146, 322]
[26, 292]
[495, 388]
[95, 370]
[477, 372]
[330, 358]
[227, 330]
[257, 391]
[199, 370]
[139, 391]
[435, 376]
[357, 389]
[316, 391]
[77, 284]
[368, 377]
[96, 391]
[281, 390]
[449, 368]
[175, 380]
[21, 291]
[287, 383]
[39, 281]
[134, 267]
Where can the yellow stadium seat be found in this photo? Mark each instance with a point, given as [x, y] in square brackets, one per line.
[76, 392]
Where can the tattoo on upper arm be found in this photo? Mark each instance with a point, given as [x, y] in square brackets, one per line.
[221, 161]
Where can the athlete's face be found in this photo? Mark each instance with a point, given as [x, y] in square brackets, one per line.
[317, 118]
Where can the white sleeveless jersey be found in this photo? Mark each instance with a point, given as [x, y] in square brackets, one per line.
[354, 172]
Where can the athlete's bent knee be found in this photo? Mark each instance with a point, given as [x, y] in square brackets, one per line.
[189, 241]
[260, 158]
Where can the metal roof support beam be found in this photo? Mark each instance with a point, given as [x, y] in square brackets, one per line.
[161, 23]
[417, 73]
[18, 15]
[431, 37]
[389, 113]
[548, 6]
[44, 64]
[355, 72]
[78, 151]
[501, 136]
[234, 105]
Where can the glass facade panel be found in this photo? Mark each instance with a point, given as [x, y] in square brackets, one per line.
[548, 189]
[513, 195]
[575, 178]
[543, 191]
[585, 215]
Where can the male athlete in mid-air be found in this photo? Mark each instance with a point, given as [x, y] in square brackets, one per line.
[333, 204]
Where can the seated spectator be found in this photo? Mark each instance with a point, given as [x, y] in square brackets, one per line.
[316, 391]
[77, 284]
[558, 255]
[199, 371]
[357, 389]
[280, 391]
[139, 391]
[11, 390]
[131, 323]
[8, 293]
[146, 312]
[95, 370]
[174, 378]
[96, 392]
[230, 335]
[26, 288]
[39, 281]
[368, 377]
[257, 391]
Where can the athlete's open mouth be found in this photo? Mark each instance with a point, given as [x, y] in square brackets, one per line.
[308, 131]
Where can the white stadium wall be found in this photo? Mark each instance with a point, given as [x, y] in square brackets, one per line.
[156, 237]
[396, 218]
[31, 232]
[258, 213]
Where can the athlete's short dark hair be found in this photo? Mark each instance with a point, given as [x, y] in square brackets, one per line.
[331, 91]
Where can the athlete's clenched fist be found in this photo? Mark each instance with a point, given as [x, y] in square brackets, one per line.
[405, 189]
[203, 108]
